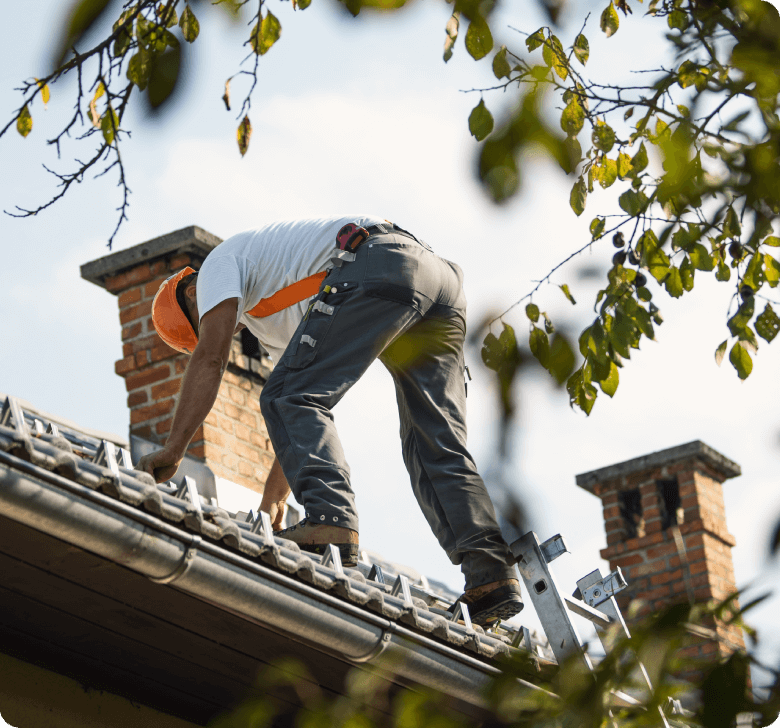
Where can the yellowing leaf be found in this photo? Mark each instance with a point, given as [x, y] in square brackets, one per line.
[720, 352]
[243, 134]
[579, 194]
[534, 40]
[24, 122]
[93, 113]
[451, 29]
[771, 270]
[190, 27]
[624, 166]
[740, 360]
[572, 118]
[610, 384]
[109, 125]
[673, 283]
[532, 311]
[581, 49]
[553, 56]
[603, 136]
[44, 87]
[265, 34]
[567, 293]
[608, 173]
[609, 20]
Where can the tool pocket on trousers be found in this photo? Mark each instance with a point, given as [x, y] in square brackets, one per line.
[394, 272]
[310, 336]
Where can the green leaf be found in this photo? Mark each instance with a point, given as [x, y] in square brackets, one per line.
[740, 360]
[532, 311]
[83, 16]
[190, 27]
[164, 75]
[731, 226]
[24, 122]
[673, 283]
[540, 345]
[109, 125]
[724, 272]
[480, 121]
[634, 203]
[581, 49]
[501, 67]
[767, 323]
[610, 384]
[603, 136]
[479, 39]
[265, 34]
[243, 134]
[140, 68]
[720, 352]
[644, 294]
[772, 241]
[573, 118]
[560, 362]
[740, 319]
[567, 293]
[677, 20]
[535, 40]
[700, 258]
[639, 160]
[609, 20]
[579, 194]
[771, 270]
[686, 274]
[597, 226]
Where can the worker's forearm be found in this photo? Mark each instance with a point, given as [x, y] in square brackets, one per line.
[198, 394]
[276, 489]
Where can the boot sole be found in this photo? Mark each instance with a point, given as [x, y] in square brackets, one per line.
[349, 552]
[501, 611]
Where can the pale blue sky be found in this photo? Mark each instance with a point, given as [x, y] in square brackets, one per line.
[363, 115]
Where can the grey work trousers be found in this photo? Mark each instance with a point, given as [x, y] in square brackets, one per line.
[399, 302]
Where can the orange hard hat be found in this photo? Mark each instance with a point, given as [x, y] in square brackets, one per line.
[172, 324]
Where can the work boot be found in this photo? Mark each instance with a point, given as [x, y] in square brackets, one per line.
[315, 537]
[492, 602]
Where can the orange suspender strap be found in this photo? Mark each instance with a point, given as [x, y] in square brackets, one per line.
[288, 296]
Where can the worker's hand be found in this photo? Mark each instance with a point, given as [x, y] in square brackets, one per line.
[161, 465]
[277, 511]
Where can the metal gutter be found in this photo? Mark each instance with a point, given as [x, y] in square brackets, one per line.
[97, 523]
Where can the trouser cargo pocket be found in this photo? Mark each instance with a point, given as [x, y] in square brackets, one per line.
[310, 335]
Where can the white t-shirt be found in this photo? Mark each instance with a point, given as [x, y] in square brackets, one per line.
[254, 265]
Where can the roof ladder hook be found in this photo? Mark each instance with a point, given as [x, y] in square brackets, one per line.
[12, 410]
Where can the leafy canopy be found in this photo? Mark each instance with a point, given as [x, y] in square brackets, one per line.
[691, 155]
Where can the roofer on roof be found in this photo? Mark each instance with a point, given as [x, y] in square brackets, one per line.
[326, 297]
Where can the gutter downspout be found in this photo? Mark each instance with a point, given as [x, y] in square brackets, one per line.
[42, 500]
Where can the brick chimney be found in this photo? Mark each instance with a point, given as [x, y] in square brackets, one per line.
[233, 442]
[665, 522]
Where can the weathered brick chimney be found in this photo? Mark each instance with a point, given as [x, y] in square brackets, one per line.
[665, 522]
[233, 442]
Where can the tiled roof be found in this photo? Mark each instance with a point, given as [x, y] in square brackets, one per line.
[86, 469]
